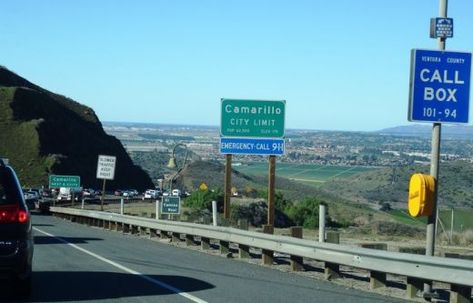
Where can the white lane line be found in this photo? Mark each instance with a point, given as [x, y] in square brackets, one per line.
[128, 270]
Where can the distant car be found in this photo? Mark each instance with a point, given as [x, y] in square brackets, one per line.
[88, 194]
[16, 237]
[151, 194]
[47, 193]
[128, 193]
[176, 192]
[118, 192]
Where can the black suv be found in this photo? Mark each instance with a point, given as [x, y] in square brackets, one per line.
[16, 237]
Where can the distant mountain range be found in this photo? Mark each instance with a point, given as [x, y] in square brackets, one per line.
[452, 131]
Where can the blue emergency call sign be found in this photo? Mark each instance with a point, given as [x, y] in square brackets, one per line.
[439, 86]
[252, 146]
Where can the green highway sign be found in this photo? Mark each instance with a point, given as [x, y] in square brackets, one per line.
[64, 181]
[252, 118]
[171, 205]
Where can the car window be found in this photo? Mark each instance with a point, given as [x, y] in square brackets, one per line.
[8, 190]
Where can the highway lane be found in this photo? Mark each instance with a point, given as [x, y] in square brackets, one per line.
[76, 263]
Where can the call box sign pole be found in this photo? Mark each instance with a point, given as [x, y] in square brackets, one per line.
[105, 171]
[439, 93]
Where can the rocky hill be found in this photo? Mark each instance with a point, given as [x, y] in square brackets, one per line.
[43, 133]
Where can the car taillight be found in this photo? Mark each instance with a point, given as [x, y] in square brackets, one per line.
[13, 214]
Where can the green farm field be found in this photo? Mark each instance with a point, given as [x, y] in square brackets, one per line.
[309, 174]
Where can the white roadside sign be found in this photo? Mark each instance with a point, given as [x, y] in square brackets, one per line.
[106, 167]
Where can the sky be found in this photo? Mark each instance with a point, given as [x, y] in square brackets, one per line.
[340, 64]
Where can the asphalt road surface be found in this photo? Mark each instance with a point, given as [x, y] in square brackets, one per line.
[76, 263]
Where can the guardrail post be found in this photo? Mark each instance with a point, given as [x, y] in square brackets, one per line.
[153, 233]
[377, 278]
[243, 251]
[126, 228]
[331, 271]
[175, 237]
[142, 230]
[267, 255]
[297, 263]
[224, 247]
[134, 229]
[204, 243]
[413, 286]
[460, 294]
[189, 240]
[164, 234]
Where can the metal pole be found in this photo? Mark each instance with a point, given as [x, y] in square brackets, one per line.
[451, 227]
[103, 195]
[214, 213]
[82, 206]
[322, 223]
[227, 186]
[122, 206]
[157, 210]
[271, 189]
[434, 167]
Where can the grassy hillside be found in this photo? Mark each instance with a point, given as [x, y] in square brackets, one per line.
[340, 210]
[391, 185]
[43, 133]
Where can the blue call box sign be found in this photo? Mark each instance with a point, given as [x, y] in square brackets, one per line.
[439, 86]
[252, 146]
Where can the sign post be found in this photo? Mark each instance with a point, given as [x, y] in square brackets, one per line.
[439, 93]
[105, 171]
[252, 127]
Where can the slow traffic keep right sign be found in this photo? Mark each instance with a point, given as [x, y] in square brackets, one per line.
[439, 86]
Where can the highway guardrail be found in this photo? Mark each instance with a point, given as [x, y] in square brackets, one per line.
[417, 269]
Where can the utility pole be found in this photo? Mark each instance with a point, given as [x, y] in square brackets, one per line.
[434, 167]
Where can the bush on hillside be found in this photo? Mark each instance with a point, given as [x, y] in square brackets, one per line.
[203, 199]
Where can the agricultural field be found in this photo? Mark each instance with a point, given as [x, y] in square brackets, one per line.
[309, 174]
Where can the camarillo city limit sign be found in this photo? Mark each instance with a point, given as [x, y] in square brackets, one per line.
[252, 118]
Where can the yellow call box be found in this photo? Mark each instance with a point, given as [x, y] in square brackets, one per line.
[421, 195]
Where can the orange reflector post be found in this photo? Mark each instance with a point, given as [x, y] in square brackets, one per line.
[421, 195]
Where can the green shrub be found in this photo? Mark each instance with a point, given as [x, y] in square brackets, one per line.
[203, 199]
